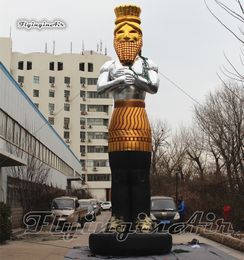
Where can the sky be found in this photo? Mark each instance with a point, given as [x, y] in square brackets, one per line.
[181, 37]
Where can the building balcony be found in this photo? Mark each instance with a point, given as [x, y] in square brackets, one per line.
[100, 101]
[103, 142]
[97, 169]
[96, 156]
[97, 114]
[99, 184]
[97, 128]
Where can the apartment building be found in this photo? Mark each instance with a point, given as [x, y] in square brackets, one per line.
[63, 87]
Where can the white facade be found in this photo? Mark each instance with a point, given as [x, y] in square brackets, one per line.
[64, 89]
[25, 131]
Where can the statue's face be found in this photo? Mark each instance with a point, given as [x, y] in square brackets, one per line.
[127, 33]
[127, 43]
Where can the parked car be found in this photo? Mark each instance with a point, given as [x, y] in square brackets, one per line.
[66, 210]
[164, 212]
[87, 204]
[90, 213]
[106, 205]
[96, 206]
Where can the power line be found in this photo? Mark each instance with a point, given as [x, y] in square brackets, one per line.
[178, 87]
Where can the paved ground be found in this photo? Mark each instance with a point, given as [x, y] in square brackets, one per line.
[41, 247]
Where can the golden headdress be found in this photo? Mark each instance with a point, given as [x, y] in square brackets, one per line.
[127, 13]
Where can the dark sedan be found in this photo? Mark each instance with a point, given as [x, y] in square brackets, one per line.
[164, 212]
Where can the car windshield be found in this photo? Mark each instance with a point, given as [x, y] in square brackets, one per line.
[162, 204]
[85, 203]
[63, 204]
[87, 207]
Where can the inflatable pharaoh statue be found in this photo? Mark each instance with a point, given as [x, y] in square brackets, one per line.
[129, 79]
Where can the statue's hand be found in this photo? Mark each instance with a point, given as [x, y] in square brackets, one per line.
[129, 77]
[119, 72]
[125, 76]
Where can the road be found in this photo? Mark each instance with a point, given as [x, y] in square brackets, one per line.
[55, 246]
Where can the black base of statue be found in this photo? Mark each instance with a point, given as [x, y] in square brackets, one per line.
[130, 244]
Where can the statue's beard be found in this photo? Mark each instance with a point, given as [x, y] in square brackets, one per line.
[127, 51]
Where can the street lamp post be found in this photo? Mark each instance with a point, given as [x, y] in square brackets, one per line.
[176, 186]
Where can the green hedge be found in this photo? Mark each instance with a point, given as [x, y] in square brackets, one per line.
[5, 223]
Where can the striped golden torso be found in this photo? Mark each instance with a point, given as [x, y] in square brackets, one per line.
[129, 128]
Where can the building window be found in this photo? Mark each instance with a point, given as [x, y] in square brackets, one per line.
[51, 93]
[51, 65]
[35, 93]
[98, 177]
[37, 105]
[36, 79]
[3, 123]
[94, 94]
[10, 129]
[83, 163]
[66, 93]
[51, 107]
[97, 163]
[101, 163]
[67, 80]
[29, 65]
[20, 65]
[17, 134]
[82, 107]
[51, 79]
[82, 136]
[90, 67]
[82, 80]
[82, 66]
[51, 120]
[66, 135]
[97, 149]
[66, 122]
[92, 81]
[82, 93]
[20, 79]
[97, 135]
[98, 108]
[66, 107]
[82, 149]
[60, 65]
[95, 121]
[82, 121]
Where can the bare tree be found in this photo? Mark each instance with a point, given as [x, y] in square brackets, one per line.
[168, 157]
[196, 151]
[221, 118]
[31, 181]
[160, 134]
[174, 159]
[237, 13]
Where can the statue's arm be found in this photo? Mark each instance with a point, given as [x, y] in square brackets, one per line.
[104, 83]
[151, 83]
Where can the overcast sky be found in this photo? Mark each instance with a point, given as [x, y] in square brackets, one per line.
[181, 37]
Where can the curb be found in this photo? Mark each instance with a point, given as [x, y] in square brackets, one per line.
[226, 240]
